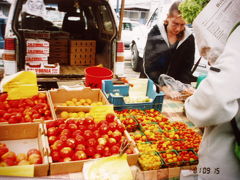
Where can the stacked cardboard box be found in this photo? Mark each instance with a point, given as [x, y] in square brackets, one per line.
[82, 52]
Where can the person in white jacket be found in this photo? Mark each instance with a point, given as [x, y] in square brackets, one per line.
[212, 106]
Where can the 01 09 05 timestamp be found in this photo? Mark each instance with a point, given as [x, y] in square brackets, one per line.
[206, 170]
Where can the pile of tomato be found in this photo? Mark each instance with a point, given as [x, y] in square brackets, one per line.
[24, 110]
[79, 139]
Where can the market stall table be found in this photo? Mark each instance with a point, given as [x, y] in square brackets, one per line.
[174, 111]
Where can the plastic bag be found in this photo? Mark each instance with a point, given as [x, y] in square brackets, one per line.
[174, 89]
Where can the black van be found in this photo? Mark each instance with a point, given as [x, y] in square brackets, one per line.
[71, 27]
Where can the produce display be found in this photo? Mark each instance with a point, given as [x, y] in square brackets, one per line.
[24, 110]
[79, 114]
[161, 143]
[128, 99]
[79, 139]
[191, 8]
[81, 102]
[9, 158]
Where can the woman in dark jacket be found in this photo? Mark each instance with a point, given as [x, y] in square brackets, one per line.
[169, 49]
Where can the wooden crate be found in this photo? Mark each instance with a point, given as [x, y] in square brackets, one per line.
[82, 52]
[20, 138]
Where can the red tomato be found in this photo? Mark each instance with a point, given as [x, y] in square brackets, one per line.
[76, 132]
[97, 156]
[58, 144]
[91, 142]
[100, 149]
[79, 139]
[33, 151]
[3, 150]
[82, 127]
[121, 128]
[66, 152]
[112, 126]
[52, 139]
[2, 112]
[103, 129]
[90, 151]
[117, 135]
[111, 142]
[107, 153]
[55, 156]
[114, 149]
[60, 121]
[80, 147]
[87, 134]
[72, 127]
[96, 134]
[89, 120]
[91, 127]
[6, 116]
[3, 97]
[110, 117]
[10, 162]
[71, 143]
[70, 121]
[2, 106]
[79, 155]
[52, 131]
[66, 132]
[62, 127]
[63, 138]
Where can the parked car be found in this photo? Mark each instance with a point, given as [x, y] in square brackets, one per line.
[64, 20]
[2, 32]
[140, 33]
[128, 27]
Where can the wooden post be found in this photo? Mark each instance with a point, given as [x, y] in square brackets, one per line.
[121, 20]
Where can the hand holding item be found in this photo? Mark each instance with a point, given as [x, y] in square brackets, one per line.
[174, 89]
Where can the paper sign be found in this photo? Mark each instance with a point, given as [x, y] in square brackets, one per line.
[111, 168]
[25, 171]
[99, 112]
[139, 88]
[20, 85]
[213, 26]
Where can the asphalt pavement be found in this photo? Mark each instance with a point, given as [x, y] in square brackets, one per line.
[129, 73]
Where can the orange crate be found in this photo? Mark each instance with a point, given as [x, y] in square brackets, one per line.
[82, 52]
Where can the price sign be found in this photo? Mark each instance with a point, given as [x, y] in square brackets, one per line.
[99, 112]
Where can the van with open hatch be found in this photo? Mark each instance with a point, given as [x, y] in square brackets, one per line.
[60, 38]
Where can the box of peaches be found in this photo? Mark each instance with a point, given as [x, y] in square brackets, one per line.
[74, 141]
[23, 150]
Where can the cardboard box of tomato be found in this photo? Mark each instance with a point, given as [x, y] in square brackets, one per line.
[22, 146]
[34, 109]
[75, 141]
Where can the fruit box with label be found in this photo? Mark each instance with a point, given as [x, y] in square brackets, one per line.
[74, 145]
[34, 109]
[22, 146]
[110, 90]
[80, 100]
[41, 68]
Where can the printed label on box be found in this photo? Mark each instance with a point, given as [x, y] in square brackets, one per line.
[37, 50]
[43, 68]
[37, 43]
[36, 58]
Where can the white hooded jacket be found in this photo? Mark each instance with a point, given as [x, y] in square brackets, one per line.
[213, 105]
